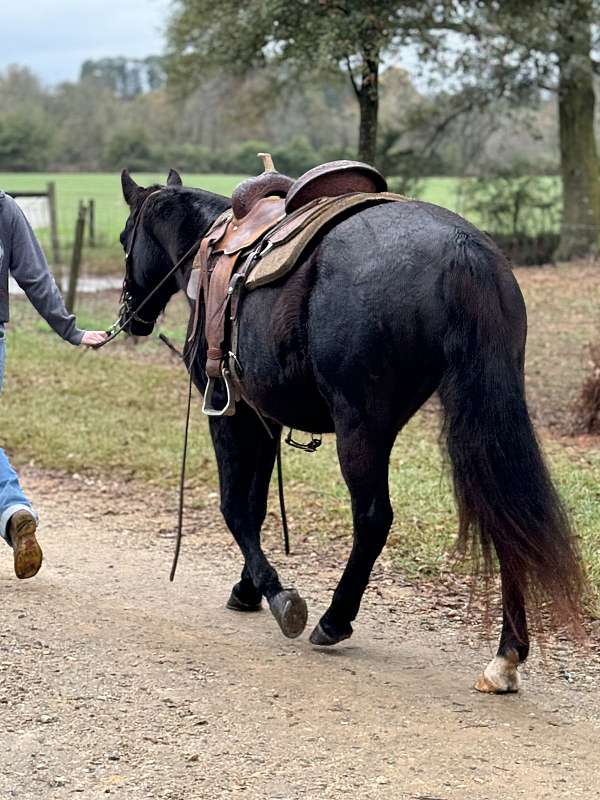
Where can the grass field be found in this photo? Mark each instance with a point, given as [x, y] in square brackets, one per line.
[121, 411]
[111, 211]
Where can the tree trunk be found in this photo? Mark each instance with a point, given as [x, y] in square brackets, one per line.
[368, 100]
[580, 166]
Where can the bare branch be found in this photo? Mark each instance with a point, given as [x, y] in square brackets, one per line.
[355, 86]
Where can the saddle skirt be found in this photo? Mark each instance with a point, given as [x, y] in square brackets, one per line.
[238, 256]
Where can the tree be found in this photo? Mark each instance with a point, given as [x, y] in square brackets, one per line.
[353, 36]
[580, 166]
[25, 142]
[518, 49]
[20, 89]
[83, 116]
[130, 147]
[126, 77]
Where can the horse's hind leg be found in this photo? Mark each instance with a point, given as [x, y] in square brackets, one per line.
[364, 458]
[245, 456]
[501, 674]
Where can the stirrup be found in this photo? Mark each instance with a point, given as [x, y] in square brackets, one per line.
[228, 409]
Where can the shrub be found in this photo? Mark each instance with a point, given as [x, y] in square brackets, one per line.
[408, 185]
[293, 158]
[296, 156]
[514, 203]
[587, 410]
[241, 158]
[25, 142]
[527, 249]
[336, 153]
[131, 148]
[520, 211]
[190, 158]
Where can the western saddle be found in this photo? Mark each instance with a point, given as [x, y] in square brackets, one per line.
[260, 239]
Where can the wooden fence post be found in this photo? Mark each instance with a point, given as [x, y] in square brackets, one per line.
[76, 257]
[54, 223]
[92, 222]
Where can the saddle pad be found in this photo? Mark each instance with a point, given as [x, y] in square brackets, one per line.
[288, 241]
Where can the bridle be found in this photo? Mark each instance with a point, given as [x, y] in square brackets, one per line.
[126, 314]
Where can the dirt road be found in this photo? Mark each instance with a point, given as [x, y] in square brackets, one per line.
[114, 681]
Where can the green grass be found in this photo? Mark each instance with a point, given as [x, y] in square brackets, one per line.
[111, 211]
[578, 476]
[121, 411]
[447, 192]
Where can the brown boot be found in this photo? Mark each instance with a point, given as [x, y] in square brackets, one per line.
[27, 552]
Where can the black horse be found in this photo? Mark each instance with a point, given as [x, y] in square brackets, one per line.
[393, 304]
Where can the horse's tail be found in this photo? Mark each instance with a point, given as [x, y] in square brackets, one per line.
[505, 496]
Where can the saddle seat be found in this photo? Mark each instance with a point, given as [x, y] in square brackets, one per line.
[241, 254]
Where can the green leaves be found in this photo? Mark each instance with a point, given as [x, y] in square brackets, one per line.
[25, 140]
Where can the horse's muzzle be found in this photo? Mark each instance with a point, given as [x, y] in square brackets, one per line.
[136, 327]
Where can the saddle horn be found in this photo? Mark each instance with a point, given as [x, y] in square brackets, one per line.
[268, 183]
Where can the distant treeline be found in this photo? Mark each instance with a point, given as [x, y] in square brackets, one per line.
[122, 112]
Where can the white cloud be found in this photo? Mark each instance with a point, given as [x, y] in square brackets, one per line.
[53, 37]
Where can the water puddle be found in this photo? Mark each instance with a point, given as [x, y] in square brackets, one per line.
[84, 286]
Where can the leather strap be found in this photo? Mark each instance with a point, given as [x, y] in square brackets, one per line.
[217, 305]
[214, 267]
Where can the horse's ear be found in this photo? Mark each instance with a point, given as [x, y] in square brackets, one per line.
[130, 188]
[174, 178]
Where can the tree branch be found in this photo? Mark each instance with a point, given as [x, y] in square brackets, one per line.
[355, 86]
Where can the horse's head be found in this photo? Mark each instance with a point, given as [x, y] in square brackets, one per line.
[147, 261]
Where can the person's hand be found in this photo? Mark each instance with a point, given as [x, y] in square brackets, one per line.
[94, 338]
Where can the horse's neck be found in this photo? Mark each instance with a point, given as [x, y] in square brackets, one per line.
[185, 235]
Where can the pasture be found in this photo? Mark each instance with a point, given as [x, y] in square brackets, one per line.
[105, 189]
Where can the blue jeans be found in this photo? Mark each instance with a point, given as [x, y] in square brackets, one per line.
[11, 495]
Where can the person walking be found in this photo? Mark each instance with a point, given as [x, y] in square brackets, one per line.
[22, 257]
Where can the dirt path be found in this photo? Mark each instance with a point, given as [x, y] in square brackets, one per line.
[114, 681]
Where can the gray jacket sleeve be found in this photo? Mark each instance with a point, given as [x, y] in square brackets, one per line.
[29, 268]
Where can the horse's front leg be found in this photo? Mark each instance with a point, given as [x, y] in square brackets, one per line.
[245, 457]
[244, 595]
[501, 674]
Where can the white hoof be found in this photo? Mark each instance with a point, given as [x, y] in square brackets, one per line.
[500, 676]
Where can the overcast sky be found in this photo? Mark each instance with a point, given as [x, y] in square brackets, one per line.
[53, 37]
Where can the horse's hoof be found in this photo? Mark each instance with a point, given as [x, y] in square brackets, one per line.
[238, 602]
[235, 604]
[290, 611]
[499, 677]
[322, 638]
